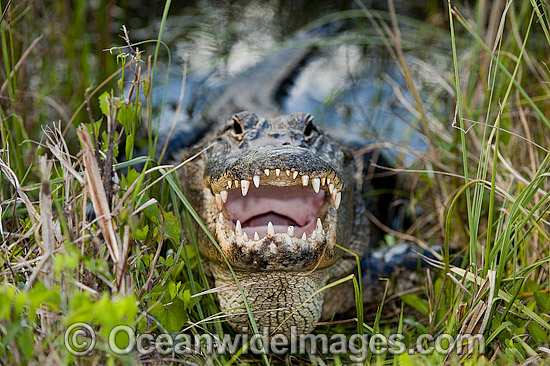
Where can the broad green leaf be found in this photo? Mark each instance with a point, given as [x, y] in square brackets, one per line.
[537, 332]
[172, 316]
[543, 300]
[126, 116]
[104, 102]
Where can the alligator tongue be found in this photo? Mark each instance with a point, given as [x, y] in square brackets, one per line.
[282, 206]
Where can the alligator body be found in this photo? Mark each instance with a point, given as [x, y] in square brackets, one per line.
[281, 197]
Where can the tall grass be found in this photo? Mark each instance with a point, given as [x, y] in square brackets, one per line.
[86, 237]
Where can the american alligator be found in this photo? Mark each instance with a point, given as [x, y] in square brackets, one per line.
[278, 193]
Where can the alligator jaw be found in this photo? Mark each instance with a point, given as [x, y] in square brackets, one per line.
[280, 218]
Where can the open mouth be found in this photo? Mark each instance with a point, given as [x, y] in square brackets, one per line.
[284, 209]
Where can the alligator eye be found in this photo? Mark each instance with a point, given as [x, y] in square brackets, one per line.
[309, 129]
[238, 128]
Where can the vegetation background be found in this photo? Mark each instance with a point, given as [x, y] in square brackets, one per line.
[89, 233]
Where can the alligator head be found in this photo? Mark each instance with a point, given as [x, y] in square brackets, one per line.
[276, 194]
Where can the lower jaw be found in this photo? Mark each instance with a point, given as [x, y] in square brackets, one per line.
[281, 302]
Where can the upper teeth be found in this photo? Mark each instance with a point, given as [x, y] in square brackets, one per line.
[245, 184]
[336, 199]
[316, 184]
[224, 194]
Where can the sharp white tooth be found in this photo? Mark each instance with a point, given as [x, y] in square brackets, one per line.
[238, 228]
[219, 201]
[223, 194]
[245, 236]
[245, 184]
[220, 217]
[289, 241]
[288, 173]
[305, 180]
[331, 188]
[328, 180]
[313, 235]
[256, 236]
[277, 171]
[319, 226]
[236, 183]
[266, 171]
[270, 230]
[323, 181]
[337, 200]
[304, 237]
[256, 180]
[229, 184]
[294, 175]
[290, 231]
[316, 184]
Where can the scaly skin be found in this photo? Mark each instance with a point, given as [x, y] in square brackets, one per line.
[280, 273]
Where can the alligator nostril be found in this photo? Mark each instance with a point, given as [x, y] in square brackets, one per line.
[286, 143]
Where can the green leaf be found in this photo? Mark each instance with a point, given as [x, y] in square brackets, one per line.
[104, 100]
[126, 116]
[172, 316]
[405, 359]
[129, 145]
[169, 260]
[172, 289]
[537, 332]
[172, 226]
[543, 300]
[130, 178]
[145, 84]
[186, 297]
[96, 126]
[171, 222]
[141, 234]
[416, 302]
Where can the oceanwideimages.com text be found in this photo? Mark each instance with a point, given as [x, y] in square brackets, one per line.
[80, 340]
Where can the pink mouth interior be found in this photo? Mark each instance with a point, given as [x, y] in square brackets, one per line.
[283, 206]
